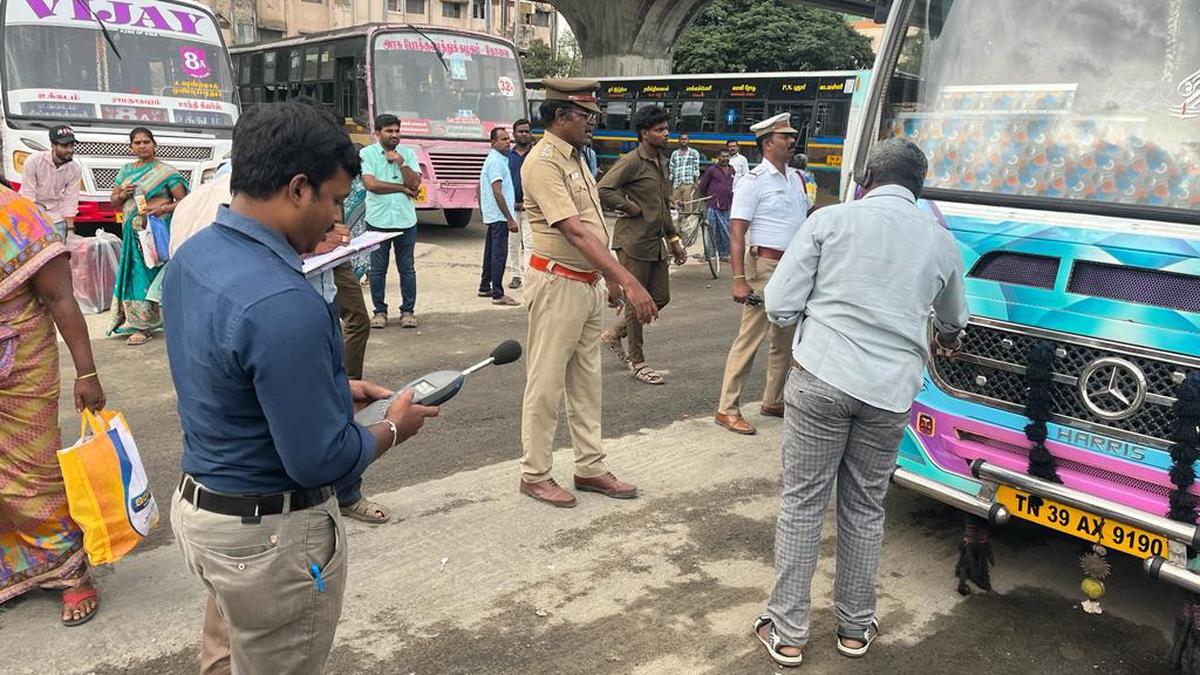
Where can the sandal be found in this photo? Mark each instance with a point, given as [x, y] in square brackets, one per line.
[613, 342]
[137, 339]
[774, 644]
[868, 636]
[367, 511]
[646, 374]
[72, 598]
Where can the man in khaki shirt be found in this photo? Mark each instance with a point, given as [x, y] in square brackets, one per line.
[637, 188]
[566, 299]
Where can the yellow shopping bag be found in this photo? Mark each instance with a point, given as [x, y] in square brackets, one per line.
[108, 494]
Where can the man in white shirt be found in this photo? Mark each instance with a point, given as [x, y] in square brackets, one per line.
[741, 165]
[865, 278]
[769, 206]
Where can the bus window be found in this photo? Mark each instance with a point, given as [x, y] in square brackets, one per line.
[256, 69]
[269, 68]
[311, 60]
[830, 118]
[697, 116]
[616, 117]
[326, 64]
[737, 116]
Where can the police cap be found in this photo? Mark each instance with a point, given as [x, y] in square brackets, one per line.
[580, 91]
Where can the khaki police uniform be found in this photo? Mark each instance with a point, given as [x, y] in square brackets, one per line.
[775, 204]
[565, 315]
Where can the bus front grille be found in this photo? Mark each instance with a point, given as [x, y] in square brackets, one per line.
[991, 370]
[457, 167]
[188, 152]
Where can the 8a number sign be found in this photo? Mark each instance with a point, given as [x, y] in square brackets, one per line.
[195, 62]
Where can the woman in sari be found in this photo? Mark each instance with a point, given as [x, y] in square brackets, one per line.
[146, 187]
[40, 546]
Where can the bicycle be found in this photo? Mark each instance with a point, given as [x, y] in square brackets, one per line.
[692, 222]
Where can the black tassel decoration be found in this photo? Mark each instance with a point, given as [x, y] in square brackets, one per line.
[1185, 435]
[974, 557]
[1038, 375]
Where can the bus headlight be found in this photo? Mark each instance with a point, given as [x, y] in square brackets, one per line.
[19, 157]
[207, 176]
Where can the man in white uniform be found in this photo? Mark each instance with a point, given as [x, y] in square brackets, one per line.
[769, 206]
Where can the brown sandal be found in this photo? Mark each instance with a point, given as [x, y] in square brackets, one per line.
[367, 511]
[646, 374]
[138, 339]
[613, 342]
[72, 598]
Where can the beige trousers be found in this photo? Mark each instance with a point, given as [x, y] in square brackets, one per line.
[686, 192]
[754, 330]
[562, 358]
[261, 590]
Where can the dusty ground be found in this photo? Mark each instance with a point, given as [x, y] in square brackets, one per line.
[472, 578]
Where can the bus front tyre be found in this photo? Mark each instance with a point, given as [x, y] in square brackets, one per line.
[458, 217]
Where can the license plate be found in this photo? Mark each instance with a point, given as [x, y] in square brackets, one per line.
[421, 195]
[1080, 523]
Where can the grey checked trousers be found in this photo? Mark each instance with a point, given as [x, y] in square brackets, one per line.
[827, 435]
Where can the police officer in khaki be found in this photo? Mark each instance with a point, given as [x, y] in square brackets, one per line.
[769, 206]
[566, 296]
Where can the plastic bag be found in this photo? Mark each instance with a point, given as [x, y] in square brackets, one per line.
[145, 239]
[162, 237]
[108, 494]
[94, 263]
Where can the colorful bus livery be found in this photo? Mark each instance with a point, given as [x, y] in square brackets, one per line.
[449, 88]
[714, 109]
[1070, 179]
[160, 64]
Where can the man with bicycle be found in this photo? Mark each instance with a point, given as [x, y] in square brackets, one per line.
[769, 206]
[637, 188]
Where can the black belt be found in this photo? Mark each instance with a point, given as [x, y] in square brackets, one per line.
[250, 506]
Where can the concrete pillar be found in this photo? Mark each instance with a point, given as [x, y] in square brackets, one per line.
[628, 37]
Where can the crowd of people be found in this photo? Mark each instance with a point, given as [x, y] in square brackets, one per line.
[267, 363]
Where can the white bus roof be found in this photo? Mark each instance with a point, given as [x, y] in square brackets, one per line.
[361, 30]
[718, 76]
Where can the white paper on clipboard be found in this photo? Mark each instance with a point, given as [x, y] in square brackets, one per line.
[363, 243]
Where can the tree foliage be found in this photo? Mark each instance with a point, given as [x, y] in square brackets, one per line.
[742, 36]
[538, 60]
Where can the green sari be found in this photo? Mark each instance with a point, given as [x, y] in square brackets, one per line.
[136, 292]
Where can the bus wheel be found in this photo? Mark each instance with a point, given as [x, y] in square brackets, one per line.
[458, 217]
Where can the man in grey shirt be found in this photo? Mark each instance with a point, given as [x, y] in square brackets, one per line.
[863, 281]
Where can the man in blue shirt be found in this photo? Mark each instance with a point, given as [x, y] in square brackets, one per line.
[496, 202]
[519, 246]
[264, 401]
[391, 174]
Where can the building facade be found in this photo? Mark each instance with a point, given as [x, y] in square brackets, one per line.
[247, 21]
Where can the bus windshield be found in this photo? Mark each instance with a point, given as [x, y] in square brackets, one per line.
[478, 86]
[172, 67]
[1075, 99]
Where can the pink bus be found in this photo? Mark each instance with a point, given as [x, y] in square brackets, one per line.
[449, 88]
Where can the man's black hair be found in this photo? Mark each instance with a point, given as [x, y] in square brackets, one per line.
[386, 120]
[649, 117]
[265, 142]
[732, 140]
[495, 132]
[141, 130]
[550, 107]
[763, 139]
[520, 122]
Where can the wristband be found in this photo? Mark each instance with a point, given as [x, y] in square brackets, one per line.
[392, 426]
[739, 276]
[88, 376]
[674, 239]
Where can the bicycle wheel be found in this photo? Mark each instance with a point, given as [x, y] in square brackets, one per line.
[710, 250]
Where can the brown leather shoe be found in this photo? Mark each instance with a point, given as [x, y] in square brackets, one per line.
[607, 485]
[772, 410]
[549, 492]
[736, 423]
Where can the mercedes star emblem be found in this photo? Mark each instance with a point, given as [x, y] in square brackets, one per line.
[1112, 388]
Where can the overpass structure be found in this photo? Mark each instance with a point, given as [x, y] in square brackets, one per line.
[638, 37]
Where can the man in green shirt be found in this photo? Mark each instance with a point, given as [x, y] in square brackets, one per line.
[391, 175]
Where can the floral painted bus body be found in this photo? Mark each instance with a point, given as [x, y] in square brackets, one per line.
[1070, 177]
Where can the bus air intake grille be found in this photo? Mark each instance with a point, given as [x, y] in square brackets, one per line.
[457, 167]
[1136, 284]
[1068, 464]
[188, 152]
[105, 179]
[991, 370]
[1024, 269]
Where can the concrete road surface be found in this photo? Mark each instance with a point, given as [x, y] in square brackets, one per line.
[470, 577]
